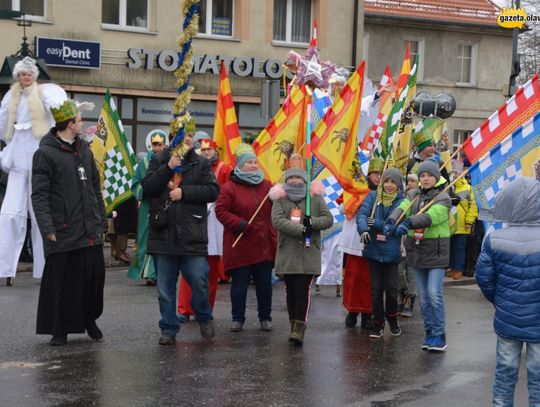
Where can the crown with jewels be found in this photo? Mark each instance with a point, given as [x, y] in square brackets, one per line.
[67, 111]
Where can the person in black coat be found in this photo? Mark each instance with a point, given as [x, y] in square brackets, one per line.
[68, 203]
[178, 237]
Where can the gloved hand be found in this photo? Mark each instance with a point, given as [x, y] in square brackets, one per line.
[403, 228]
[455, 200]
[365, 238]
[388, 228]
[308, 226]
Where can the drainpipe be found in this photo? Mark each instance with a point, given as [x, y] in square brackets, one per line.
[355, 33]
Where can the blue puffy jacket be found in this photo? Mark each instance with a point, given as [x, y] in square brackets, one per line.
[388, 251]
[508, 269]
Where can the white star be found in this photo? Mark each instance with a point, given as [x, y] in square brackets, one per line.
[313, 67]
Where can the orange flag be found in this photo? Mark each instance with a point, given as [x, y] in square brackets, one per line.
[405, 70]
[334, 141]
[283, 136]
[226, 131]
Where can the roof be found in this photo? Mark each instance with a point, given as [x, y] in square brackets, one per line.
[481, 12]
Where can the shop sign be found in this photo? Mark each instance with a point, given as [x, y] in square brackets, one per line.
[241, 66]
[69, 53]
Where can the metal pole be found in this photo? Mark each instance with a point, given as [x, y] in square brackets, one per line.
[515, 67]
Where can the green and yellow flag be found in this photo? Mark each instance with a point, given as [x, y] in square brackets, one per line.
[114, 156]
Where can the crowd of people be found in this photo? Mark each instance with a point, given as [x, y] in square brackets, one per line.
[212, 222]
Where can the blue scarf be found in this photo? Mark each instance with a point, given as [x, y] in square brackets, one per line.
[251, 177]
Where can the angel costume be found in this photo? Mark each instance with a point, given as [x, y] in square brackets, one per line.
[24, 119]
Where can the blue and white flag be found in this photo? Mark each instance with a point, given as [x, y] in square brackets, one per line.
[518, 155]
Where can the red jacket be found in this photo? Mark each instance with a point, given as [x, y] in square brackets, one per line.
[238, 202]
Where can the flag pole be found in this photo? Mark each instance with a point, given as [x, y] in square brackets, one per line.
[428, 205]
[262, 203]
[307, 239]
[379, 187]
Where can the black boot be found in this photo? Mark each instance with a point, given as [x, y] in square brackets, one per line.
[367, 321]
[351, 319]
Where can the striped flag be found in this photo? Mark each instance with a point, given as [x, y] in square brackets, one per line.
[394, 118]
[114, 156]
[226, 131]
[517, 110]
[518, 155]
[405, 71]
[371, 138]
[335, 145]
[283, 136]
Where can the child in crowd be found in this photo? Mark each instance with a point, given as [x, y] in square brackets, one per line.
[508, 273]
[428, 247]
[297, 263]
[406, 282]
[383, 252]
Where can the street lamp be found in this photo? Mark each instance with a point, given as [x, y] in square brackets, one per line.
[25, 51]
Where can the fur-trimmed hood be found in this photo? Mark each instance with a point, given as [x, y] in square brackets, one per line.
[278, 192]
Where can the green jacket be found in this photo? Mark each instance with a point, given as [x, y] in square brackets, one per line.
[292, 257]
[433, 251]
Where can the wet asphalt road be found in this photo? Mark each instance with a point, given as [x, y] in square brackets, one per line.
[336, 366]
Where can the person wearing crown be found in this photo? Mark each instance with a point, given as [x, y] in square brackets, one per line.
[70, 212]
[24, 119]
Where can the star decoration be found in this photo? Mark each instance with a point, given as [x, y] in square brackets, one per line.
[313, 72]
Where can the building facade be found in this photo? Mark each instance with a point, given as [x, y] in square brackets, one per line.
[130, 46]
[137, 41]
[462, 52]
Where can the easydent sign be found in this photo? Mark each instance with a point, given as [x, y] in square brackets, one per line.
[241, 66]
[69, 53]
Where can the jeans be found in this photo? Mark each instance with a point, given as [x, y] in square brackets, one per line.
[298, 287]
[458, 247]
[507, 370]
[262, 277]
[384, 284]
[194, 269]
[429, 283]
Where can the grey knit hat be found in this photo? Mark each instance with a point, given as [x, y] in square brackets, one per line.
[430, 165]
[296, 172]
[394, 175]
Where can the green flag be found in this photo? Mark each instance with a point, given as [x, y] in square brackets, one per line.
[114, 156]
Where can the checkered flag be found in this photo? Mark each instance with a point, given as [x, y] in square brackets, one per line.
[118, 158]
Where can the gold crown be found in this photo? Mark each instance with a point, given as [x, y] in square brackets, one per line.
[67, 111]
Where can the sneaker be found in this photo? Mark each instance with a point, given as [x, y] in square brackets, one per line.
[377, 331]
[427, 341]
[367, 321]
[60, 340]
[351, 319]
[395, 330]
[236, 326]
[207, 329]
[93, 331]
[437, 343]
[266, 326]
[167, 340]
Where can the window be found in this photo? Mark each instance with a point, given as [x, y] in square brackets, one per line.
[292, 21]
[29, 7]
[459, 138]
[466, 64]
[216, 17]
[117, 13]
